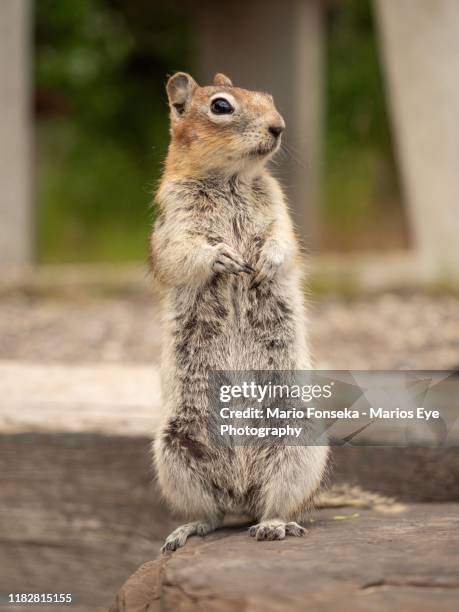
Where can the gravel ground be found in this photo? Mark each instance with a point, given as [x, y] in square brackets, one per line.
[379, 332]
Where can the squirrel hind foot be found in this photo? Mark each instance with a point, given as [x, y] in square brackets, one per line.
[274, 529]
[179, 536]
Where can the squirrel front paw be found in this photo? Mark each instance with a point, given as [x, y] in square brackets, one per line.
[228, 260]
[272, 256]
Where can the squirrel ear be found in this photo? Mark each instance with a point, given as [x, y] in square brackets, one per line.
[222, 80]
[180, 88]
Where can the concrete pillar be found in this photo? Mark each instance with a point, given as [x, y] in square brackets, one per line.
[275, 47]
[15, 133]
[420, 49]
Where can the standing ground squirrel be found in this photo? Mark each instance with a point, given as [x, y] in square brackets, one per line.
[226, 258]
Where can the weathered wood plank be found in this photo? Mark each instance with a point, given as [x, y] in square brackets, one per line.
[93, 398]
[78, 513]
[81, 510]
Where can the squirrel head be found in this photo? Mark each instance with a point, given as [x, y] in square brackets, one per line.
[221, 128]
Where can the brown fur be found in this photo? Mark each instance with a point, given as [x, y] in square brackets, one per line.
[225, 256]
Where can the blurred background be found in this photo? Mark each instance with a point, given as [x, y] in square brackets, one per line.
[98, 69]
[369, 90]
[369, 157]
[101, 120]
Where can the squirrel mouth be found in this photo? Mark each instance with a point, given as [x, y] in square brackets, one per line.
[260, 151]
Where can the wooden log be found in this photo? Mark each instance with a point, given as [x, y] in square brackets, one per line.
[359, 561]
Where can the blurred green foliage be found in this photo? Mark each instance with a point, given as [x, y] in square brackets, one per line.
[102, 126]
[361, 196]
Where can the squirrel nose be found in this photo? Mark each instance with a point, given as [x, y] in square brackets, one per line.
[276, 130]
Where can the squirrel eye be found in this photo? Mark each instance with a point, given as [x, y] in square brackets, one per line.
[221, 106]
